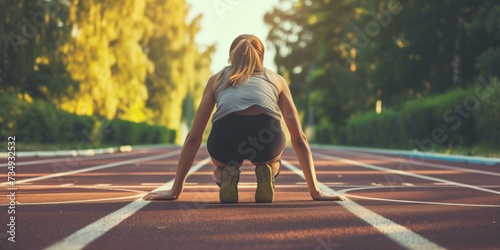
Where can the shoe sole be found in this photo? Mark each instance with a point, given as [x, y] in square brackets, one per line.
[265, 184]
[229, 185]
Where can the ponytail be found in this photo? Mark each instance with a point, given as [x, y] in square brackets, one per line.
[246, 56]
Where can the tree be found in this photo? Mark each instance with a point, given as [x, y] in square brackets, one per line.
[181, 70]
[134, 60]
[106, 57]
[483, 29]
[420, 50]
[309, 39]
[344, 56]
[30, 64]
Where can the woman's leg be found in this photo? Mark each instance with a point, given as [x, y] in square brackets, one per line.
[219, 166]
[274, 162]
[227, 177]
[266, 173]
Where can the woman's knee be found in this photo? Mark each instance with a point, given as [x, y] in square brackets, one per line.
[219, 164]
[272, 161]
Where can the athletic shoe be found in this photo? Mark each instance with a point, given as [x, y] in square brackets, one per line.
[265, 183]
[229, 178]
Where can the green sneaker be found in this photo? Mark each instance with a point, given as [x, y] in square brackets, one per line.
[230, 176]
[265, 183]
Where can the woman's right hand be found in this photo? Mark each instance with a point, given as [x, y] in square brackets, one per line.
[161, 195]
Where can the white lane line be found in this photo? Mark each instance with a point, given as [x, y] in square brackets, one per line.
[101, 185]
[86, 235]
[326, 183]
[411, 162]
[406, 153]
[397, 233]
[344, 192]
[70, 159]
[83, 170]
[126, 189]
[61, 159]
[85, 201]
[400, 172]
[20, 163]
[240, 186]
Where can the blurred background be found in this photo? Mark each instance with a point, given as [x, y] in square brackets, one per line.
[402, 74]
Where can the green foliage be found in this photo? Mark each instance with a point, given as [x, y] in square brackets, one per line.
[484, 27]
[419, 58]
[129, 133]
[30, 62]
[42, 122]
[442, 120]
[370, 50]
[334, 102]
[132, 60]
[181, 68]
[307, 37]
[376, 130]
[326, 134]
[488, 119]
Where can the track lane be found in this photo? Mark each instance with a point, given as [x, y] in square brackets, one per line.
[198, 221]
[450, 224]
[39, 224]
[292, 222]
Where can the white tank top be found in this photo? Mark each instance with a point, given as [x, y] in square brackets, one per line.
[259, 91]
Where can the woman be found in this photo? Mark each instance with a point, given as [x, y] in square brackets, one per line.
[246, 126]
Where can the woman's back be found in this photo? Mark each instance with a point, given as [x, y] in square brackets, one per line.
[259, 93]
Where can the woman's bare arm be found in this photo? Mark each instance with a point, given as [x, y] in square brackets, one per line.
[299, 141]
[191, 144]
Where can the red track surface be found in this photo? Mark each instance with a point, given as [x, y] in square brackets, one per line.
[440, 204]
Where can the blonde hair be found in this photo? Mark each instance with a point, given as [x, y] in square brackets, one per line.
[246, 56]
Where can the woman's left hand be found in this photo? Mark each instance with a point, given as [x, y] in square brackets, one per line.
[320, 196]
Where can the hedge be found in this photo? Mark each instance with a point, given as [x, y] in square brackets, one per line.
[488, 120]
[42, 122]
[458, 118]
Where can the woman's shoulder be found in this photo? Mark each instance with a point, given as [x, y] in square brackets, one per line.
[216, 78]
[276, 78]
[220, 73]
[271, 73]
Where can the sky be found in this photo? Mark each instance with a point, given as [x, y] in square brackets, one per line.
[224, 20]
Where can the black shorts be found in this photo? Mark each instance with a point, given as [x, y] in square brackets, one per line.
[257, 138]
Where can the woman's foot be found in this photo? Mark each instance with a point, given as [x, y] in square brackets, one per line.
[265, 183]
[229, 178]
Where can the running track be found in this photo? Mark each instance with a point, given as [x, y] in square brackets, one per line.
[392, 203]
